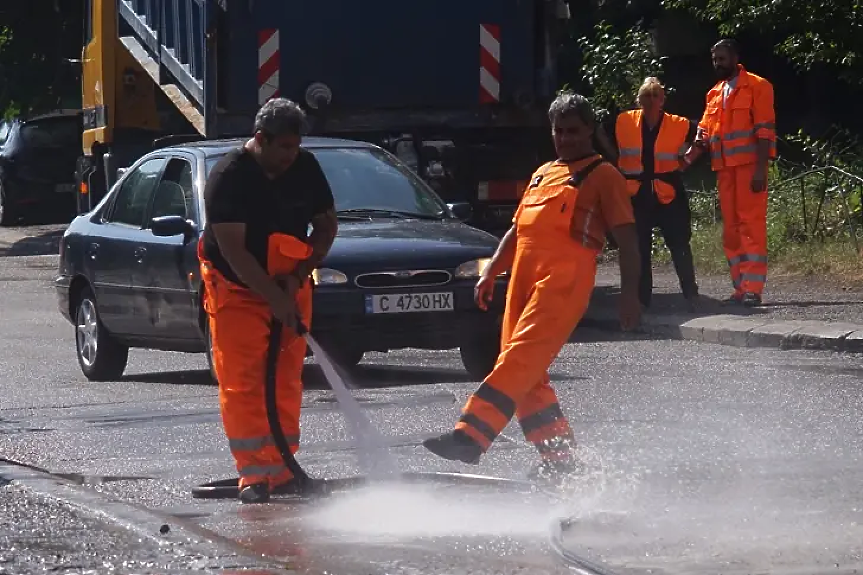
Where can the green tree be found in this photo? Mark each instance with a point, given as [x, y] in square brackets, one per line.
[812, 32]
[615, 63]
[35, 72]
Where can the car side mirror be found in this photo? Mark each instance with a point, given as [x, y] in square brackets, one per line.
[461, 210]
[166, 226]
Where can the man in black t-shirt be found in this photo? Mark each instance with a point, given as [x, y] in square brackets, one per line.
[256, 260]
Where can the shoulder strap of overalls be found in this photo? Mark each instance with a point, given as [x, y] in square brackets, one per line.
[581, 175]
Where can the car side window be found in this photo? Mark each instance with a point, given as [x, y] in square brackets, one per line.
[133, 197]
[175, 191]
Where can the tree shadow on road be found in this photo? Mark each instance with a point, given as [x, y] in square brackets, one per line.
[36, 242]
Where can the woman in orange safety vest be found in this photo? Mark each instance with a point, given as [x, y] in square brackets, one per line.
[650, 143]
[558, 230]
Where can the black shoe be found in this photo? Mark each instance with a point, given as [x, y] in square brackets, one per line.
[733, 300]
[256, 493]
[751, 300]
[556, 472]
[455, 446]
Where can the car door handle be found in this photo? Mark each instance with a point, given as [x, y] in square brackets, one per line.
[92, 250]
[140, 253]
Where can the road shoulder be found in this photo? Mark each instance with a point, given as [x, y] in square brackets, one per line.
[54, 520]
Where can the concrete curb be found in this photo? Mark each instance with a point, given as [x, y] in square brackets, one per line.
[740, 331]
[207, 551]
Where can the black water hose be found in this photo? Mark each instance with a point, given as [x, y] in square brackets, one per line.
[569, 557]
[273, 349]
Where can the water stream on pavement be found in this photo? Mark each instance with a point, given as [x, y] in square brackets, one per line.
[372, 447]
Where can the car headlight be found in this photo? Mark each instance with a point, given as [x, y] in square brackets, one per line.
[327, 276]
[473, 268]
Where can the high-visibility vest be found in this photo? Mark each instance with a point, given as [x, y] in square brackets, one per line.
[670, 145]
[731, 127]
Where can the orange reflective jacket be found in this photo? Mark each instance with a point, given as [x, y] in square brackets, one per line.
[732, 127]
[670, 145]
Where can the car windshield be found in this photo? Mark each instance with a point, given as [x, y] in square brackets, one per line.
[366, 179]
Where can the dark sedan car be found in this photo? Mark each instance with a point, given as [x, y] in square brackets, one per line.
[400, 273]
[37, 166]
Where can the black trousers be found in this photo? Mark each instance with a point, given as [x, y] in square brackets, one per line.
[674, 221]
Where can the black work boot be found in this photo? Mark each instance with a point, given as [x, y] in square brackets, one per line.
[751, 300]
[455, 446]
[733, 299]
[255, 493]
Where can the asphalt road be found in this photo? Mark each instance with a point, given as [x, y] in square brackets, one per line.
[704, 459]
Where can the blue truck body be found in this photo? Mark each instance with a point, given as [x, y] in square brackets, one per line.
[405, 75]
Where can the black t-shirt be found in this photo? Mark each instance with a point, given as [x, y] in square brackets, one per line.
[238, 191]
[648, 145]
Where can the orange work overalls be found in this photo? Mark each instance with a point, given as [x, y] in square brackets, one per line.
[239, 321]
[553, 276]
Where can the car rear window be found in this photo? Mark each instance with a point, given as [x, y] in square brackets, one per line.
[55, 133]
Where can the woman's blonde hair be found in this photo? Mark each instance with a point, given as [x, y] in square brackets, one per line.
[650, 84]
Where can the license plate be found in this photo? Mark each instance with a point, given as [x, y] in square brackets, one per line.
[64, 188]
[409, 302]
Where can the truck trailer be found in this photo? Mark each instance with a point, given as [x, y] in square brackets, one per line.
[459, 91]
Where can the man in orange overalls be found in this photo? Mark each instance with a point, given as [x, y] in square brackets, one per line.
[256, 259]
[551, 248]
[738, 128]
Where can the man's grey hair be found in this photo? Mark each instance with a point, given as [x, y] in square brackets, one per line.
[280, 117]
[569, 103]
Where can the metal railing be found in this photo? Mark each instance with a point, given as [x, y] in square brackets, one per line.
[832, 180]
[829, 185]
[173, 32]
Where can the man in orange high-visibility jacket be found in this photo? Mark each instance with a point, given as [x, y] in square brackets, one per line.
[650, 143]
[256, 260]
[558, 230]
[738, 128]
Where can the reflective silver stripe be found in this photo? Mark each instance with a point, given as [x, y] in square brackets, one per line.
[767, 125]
[666, 156]
[683, 148]
[714, 139]
[631, 172]
[745, 149]
[756, 258]
[250, 443]
[738, 134]
[630, 152]
[753, 278]
[256, 443]
[259, 470]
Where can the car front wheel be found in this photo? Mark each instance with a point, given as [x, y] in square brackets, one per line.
[480, 355]
[100, 356]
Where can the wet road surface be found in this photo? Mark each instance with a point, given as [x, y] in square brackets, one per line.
[704, 459]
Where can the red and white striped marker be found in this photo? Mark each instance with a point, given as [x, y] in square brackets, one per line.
[489, 63]
[268, 65]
